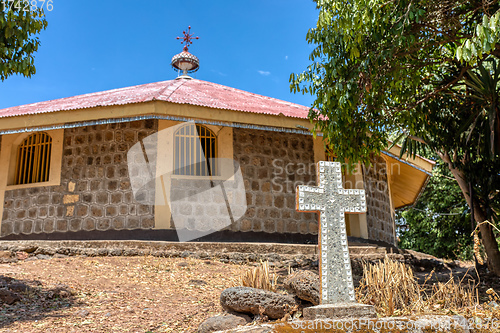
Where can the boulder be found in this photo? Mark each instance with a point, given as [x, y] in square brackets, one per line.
[257, 302]
[304, 284]
[222, 322]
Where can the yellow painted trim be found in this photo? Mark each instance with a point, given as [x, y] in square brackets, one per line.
[400, 173]
[8, 151]
[319, 149]
[2, 197]
[8, 160]
[164, 168]
[358, 226]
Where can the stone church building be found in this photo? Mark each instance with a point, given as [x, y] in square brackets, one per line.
[64, 171]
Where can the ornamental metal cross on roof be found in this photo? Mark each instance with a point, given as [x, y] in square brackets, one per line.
[332, 200]
[187, 38]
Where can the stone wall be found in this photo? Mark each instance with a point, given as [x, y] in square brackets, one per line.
[203, 205]
[379, 215]
[273, 164]
[94, 193]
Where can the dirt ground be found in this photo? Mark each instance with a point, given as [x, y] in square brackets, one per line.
[114, 294]
[144, 294]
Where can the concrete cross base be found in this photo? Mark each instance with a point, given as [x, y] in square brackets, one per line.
[339, 310]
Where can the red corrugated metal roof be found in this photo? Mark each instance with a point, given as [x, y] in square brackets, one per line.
[181, 91]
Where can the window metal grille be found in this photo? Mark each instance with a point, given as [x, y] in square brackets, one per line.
[192, 159]
[33, 159]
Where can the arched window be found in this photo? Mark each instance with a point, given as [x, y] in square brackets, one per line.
[192, 159]
[33, 159]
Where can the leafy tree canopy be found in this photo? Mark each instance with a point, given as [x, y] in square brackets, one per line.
[377, 63]
[426, 70]
[17, 42]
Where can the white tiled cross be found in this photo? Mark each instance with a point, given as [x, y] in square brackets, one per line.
[331, 200]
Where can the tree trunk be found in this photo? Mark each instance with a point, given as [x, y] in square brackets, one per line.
[489, 241]
[487, 236]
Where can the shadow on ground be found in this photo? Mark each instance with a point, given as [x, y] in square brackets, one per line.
[22, 300]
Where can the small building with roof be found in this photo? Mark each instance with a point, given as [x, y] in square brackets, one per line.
[64, 172]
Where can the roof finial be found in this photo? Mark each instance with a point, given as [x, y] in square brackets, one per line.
[187, 38]
[185, 61]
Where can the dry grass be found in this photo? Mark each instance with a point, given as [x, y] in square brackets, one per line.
[453, 295]
[259, 277]
[391, 287]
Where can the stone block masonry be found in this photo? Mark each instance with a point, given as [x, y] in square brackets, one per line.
[273, 164]
[379, 215]
[94, 192]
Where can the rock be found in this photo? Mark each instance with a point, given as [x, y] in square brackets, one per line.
[102, 252]
[4, 280]
[61, 291]
[182, 264]
[186, 254]
[130, 252]
[197, 282]
[304, 284]
[88, 252]
[60, 256]
[8, 297]
[219, 323]
[47, 251]
[494, 305]
[160, 254]
[5, 254]
[115, 252]
[82, 313]
[257, 301]
[21, 255]
[30, 249]
[273, 257]
[18, 286]
[62, 251]
[43, 256]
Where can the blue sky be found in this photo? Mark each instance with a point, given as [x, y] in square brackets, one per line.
[96, 45]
